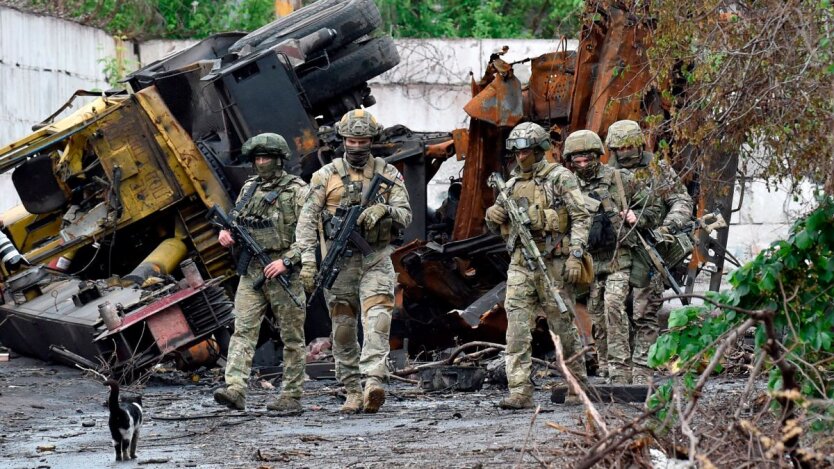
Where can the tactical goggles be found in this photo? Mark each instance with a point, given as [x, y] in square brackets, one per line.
[521, 143]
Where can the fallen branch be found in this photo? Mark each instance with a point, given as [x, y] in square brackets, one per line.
[527, 438]
[491, 347]
[574, 386]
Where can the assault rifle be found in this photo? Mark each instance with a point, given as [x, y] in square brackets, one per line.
[649, 239]
[251, 249]
[520, 221]
[344, 232]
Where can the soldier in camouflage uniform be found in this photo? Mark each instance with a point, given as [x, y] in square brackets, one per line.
[268, 206]
[615, 208]
[366, 283]
[559, 223]
[627, 150]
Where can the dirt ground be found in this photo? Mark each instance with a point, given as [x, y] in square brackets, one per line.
[55, 416]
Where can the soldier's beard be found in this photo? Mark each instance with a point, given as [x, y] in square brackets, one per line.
[358, 155]
[269, 170]
[629, 158]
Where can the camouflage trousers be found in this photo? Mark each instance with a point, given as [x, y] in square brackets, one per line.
[607, 308]
[527, 294]
[647, 304]
[365, 284]
[250, 308]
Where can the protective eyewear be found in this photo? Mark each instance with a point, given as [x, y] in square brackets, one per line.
[520, 143]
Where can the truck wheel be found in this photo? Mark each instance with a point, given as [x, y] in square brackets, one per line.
[350, 19]
[350, 68]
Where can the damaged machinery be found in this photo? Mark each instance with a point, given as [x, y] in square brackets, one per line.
[115, 195]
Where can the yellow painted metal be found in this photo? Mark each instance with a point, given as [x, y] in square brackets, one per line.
[190, 167]
[167, 256]
[19, 222]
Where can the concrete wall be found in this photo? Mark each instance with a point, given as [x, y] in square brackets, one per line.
[44, 60]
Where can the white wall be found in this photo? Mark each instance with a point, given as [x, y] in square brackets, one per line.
[44, 60]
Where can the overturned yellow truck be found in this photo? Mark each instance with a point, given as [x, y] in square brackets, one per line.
[112, 222]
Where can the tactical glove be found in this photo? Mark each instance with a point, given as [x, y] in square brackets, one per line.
[371, 216]
[497, 214]
[573, 269]
[308, 276]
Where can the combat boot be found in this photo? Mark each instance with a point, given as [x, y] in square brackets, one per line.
[374, 396]
[286, 404]
[572, 399]
[353, 403]
[640, 376]
[516, 402]
[231, 398]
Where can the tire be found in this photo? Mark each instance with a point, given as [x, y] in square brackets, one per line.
[351, 68]
[350, 19]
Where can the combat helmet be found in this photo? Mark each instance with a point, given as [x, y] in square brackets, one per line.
[528, 135]
[624, 133]
[583, 141]
[266, 144]
[358, 123]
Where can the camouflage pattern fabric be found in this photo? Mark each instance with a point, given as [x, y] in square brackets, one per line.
[645, 207]
[677, 208]
[365, 284]
[647, 304]
[606, 306]
[661, 180]
[555, 188]
[251, 305]
[526, 293]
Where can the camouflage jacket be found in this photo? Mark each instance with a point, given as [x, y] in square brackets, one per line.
[327, 193]
[554, 204]
[664, 183]
[602, 197]
[270, 212]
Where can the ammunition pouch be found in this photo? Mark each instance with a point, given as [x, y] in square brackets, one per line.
[602, 236]
[556, 221]
[379, 233]
[675, 249]
[252, 223]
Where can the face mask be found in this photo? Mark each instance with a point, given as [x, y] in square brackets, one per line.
[269, 170]
[589, 171]
[527, 165]
[357, 156]
[628, 158]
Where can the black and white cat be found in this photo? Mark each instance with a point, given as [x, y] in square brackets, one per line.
[125, 419]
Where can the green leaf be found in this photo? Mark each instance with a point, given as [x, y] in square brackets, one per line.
[804, 240]
[678, 318]
[768, 282]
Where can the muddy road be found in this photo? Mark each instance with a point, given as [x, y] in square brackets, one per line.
[54, 416]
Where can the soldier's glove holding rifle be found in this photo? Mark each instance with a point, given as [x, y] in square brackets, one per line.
[371, 216]
[308, 276]
[573, 266]
[497, 214]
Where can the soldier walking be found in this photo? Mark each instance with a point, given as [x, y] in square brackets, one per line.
[365, 283]
[627, 150]
[616, 207]
[559, 224]
[268, 207]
